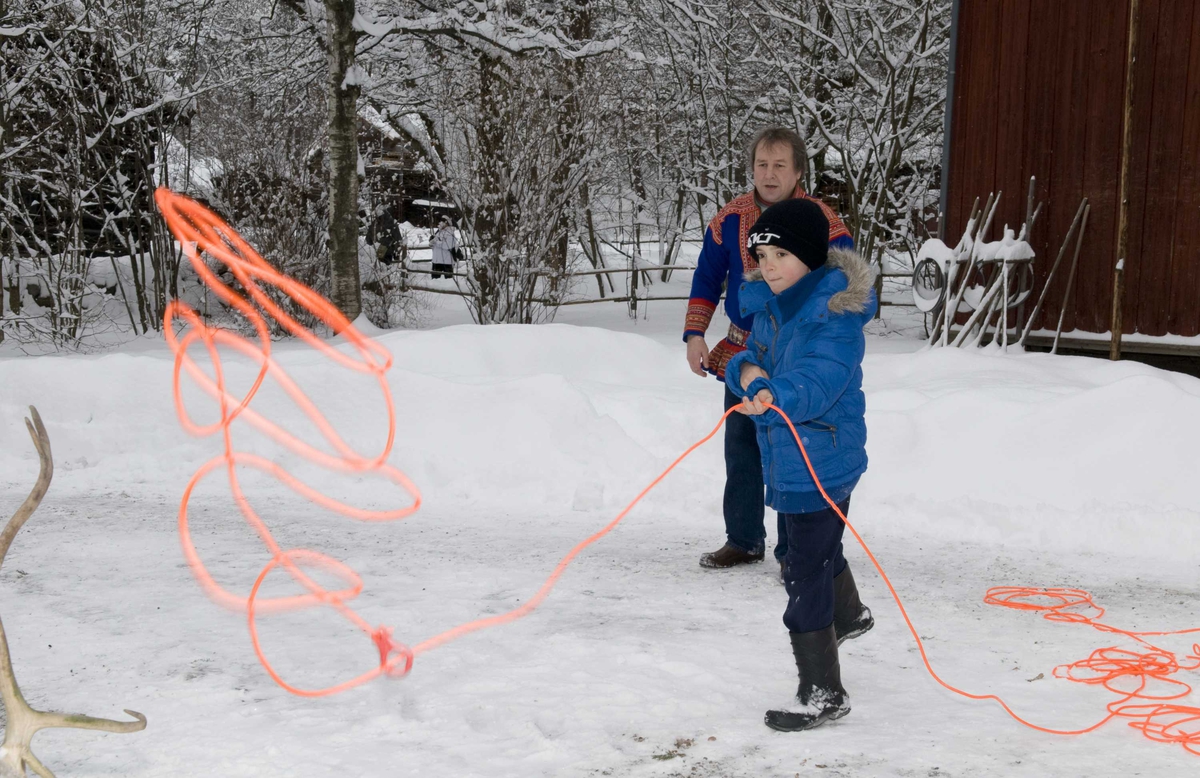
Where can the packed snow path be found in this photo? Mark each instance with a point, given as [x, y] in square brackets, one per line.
[985, 470]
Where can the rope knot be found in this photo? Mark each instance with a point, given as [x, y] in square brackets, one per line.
[382, 636]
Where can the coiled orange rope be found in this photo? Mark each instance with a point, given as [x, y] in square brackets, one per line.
[1118, 669]
[199, 231]
[1111, 667]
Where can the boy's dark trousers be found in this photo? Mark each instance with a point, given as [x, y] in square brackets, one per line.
[814, 559]
[744, 486]
[439, 270]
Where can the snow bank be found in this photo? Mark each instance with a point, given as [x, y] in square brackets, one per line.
[502, 418]
[1073, 453]
[1067, 452]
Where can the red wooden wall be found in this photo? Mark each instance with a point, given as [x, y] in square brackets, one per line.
[1039, 90]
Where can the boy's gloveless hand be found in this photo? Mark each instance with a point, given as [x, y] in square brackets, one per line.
[697, 355]
[757, 406]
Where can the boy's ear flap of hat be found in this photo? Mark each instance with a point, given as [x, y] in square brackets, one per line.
[797, 226]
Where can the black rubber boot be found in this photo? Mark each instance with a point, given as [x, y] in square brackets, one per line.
[820, 697]
[850, 617]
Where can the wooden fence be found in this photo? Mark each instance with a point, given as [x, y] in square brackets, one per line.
[641, 274]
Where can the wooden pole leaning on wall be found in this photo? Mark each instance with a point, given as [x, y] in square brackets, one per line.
[1071, 279]
[1053, 269]
[1062, 311]
[982, 227]
[1031, 217]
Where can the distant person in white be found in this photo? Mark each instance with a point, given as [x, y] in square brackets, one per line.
[445, 246]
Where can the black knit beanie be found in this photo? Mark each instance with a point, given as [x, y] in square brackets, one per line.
[798, 226]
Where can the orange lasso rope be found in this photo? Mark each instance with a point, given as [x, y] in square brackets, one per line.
[200, 231]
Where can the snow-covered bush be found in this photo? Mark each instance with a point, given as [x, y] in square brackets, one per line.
[81, 125]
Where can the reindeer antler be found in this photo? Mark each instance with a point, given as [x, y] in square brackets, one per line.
[23, 721]
[41, 442]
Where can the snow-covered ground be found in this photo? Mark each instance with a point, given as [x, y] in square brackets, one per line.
[986, 469]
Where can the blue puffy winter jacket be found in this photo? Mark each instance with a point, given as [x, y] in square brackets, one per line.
[809, 340]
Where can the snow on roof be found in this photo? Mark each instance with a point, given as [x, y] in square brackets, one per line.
[414, 125]
[372, 117]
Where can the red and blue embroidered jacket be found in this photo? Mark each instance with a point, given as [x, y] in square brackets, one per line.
[723, 259]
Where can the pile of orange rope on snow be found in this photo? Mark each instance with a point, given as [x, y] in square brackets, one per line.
[1143, 679]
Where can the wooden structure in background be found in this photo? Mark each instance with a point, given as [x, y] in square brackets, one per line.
[1038, 89]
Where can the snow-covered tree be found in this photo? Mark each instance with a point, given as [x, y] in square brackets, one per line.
[562, 132]
[497, 98]
[865, 81]
[87, 98]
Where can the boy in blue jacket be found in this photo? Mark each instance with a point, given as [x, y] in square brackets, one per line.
[804, 355]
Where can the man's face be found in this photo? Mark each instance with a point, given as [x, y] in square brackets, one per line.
[775, 172]
[781, 269]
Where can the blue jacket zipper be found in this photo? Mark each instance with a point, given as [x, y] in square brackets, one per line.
[774, 364]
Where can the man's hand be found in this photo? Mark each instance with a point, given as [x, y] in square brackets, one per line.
[750, 372]
[757, 406]
[697, 355]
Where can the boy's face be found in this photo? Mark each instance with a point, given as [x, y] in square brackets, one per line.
[775, 172]
[780, 268]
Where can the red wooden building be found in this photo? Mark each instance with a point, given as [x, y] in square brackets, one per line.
[1038, 88]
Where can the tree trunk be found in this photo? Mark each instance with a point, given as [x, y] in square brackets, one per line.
[491, 216]
[569, 124]
[593, 244]
[343, 160]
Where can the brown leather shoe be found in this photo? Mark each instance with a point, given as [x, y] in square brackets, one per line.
[729, 556]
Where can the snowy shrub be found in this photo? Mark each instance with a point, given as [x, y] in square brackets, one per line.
[79, 139]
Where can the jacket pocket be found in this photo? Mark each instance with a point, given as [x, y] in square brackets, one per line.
[820, 426]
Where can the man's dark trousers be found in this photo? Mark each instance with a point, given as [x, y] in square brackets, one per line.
[744, 486]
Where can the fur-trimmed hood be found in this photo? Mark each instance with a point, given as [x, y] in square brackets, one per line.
[860, 280]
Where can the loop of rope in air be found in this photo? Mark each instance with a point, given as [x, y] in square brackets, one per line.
[1124, 672]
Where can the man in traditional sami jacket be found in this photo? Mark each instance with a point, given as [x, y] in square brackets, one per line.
[780, 161]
